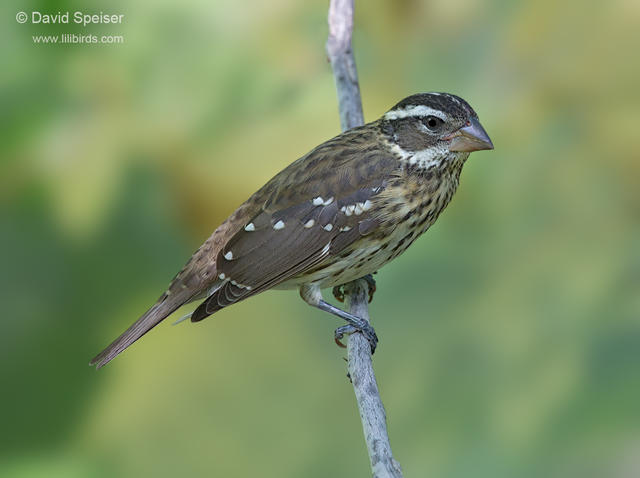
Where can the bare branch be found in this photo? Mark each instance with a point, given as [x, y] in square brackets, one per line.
[363, 378]
[365, 386]
[343, 63]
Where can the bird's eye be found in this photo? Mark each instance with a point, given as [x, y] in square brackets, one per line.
[433, 122]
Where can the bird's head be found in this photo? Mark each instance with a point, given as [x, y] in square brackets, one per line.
[435, 127]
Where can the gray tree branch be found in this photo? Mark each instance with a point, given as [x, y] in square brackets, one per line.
[343, 63]
[365, 386]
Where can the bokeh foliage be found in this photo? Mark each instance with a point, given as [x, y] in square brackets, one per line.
[510, 333]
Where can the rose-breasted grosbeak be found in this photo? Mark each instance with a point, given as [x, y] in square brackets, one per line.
[338, 213]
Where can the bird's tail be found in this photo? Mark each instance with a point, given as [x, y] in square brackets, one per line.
[166, 305]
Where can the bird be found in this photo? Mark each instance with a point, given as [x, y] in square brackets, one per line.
[338, 213]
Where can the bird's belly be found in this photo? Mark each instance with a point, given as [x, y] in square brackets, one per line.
[364, 257]
[340, 270]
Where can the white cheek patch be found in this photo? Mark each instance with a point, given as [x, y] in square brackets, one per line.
[414, 110]
[424, 159]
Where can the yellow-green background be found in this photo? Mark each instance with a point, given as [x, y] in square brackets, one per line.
[510, 333]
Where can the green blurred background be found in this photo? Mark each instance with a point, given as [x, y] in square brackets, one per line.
[510, 333]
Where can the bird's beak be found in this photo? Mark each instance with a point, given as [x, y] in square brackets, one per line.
[471, 137]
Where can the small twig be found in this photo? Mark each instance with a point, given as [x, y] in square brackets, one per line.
[361, 373]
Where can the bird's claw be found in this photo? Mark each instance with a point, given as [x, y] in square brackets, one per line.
[365, 329]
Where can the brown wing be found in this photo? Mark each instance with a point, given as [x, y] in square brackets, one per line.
[319, 205]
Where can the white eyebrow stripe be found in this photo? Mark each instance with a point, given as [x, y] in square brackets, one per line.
[417, 110]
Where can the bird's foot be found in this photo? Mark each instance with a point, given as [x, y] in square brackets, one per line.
[364, 328]
[338, 291]
[372, 285]
[311, 294]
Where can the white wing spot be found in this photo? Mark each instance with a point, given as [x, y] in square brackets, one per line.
[366, 205]
[328, 227]
[222, 276]
[228, 256]
[318, 201]
[358, 209]
[349, 210]
[250, 227]
[345, 228]
[309, 223]
[328, 201]
[240, 286]
[278, 225]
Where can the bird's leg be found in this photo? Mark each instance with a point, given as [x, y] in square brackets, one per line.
[312, 295]
[354, 324]
[338, 291]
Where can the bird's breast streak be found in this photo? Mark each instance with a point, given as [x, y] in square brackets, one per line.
[407, 214]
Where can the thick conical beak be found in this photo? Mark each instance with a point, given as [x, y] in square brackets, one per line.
[471, 137]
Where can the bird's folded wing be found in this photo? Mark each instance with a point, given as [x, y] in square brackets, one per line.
[298, 227]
